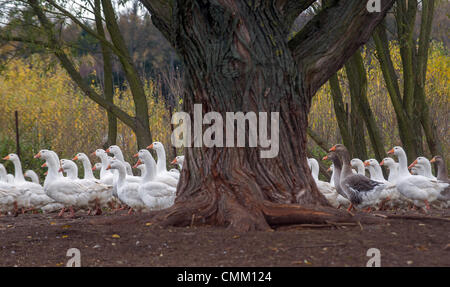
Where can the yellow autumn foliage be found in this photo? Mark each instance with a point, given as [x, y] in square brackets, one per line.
[55, 114]
[322, 117]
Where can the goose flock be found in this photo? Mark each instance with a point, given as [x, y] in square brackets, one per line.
[155, 188]
[350, 187]
[62, 190]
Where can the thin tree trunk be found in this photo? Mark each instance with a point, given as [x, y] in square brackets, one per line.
[356, 74]
[405, 125]
[143, 134]
[108, 87]
[421, 74]
[341, 114]
[357, 129]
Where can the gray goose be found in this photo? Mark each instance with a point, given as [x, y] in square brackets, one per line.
[360, 190]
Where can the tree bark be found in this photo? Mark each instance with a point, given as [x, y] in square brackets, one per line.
[237, 58]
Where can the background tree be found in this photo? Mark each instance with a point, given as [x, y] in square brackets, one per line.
[47, 34]
[409, 103]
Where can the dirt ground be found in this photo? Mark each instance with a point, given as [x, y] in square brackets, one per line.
[114, 239]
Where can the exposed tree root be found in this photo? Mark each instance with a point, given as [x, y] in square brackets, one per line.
[228, 213]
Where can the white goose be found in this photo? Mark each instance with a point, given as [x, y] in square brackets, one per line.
[333, 174]
[325, 188]
[100, 194]
[32, 175]
[117, 152]
[34, 194]
[142, 169]
[87, 166]
[393, 169]
[424, 167]
[420, 189]
[375, 170]
[358, 165]
[128, 192]
[156, 195]
[179, 160]
[161, 168]
[3, 173]
[106, 176]
[63, 190]
[19, 178]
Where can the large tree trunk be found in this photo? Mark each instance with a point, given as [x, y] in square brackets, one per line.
[237, 59]
[240, 68]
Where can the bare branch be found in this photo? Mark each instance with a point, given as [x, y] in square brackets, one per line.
[86, 28]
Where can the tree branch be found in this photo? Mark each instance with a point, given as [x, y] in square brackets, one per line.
[86, 28]
[161, 11]
[291, 9]
[71, 70]
[323, 46]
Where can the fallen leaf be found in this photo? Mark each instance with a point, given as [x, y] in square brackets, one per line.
[115, 236]
[65, 236]
[148, 224]
[52, 223]
[236, 236]
[29, 237]
[66, 226]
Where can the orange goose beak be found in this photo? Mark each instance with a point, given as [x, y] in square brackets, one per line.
[433, 160]
[139, 162]
[333, 148]
[94, 153]
[108, 150]
[109, 167]
[150, 146]
[366, 163]
[325, 157]
[413, 164]
[6, 157]
[174, 161]
[382, 162]
[44, 164]
[136, 155]
[391, 151]
[75, 158]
